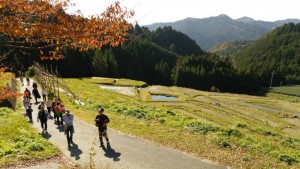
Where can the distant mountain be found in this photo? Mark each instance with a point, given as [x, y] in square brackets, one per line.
[208, 32]
[263, 24]
[282, 22]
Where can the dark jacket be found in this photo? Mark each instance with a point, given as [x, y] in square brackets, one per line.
[103, 120]
[36, 93]
[43, 115]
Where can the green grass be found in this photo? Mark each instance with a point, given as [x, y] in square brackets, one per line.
[19, 142]
[288, 90]
[117, 82]
[214, 126]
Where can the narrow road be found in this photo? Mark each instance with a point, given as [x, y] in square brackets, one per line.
[123, 152]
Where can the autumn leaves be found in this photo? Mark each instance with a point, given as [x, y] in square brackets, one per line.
[46, 27]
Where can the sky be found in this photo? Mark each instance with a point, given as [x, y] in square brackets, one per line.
[154, 11]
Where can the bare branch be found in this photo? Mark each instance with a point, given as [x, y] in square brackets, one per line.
[3, 56]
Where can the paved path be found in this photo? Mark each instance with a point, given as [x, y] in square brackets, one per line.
[123, 152]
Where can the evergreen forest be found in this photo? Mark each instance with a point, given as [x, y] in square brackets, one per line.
[277, 53]
[168, 57]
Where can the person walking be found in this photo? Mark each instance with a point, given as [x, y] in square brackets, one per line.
[26, 102]
[22, 81]
[27, 94]
[43, 117]
[69, 128]
[28, 81]
[41, 105]
[29, 113]
[36, 95]
[58, 114]
[44, 94]
[54, 112]
[50, 96]
[34, 85]
[49, 106]
[101, 122]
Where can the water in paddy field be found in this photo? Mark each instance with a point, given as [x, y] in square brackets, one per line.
[163, 97]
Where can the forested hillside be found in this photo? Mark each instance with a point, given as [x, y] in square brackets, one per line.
[278, 52]
[170, 39]
[147, 56]
[229, 48]
[211, 72]
[163, 57]
[135, 59]
[158, 57]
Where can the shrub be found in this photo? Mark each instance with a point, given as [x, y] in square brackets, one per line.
[136, 113]
[266, 132]
[291, 142]
[35, 147]
[241, 125]
[199, 127]
[170, 112]
[224, 143]
[7, 151]
[161, 121]
[288, 159]
[231, 132]
[214, 89]
[30, 72]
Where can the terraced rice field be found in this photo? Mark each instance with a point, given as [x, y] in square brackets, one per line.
[240, 131]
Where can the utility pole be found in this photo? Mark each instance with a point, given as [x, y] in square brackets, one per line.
[271, 79]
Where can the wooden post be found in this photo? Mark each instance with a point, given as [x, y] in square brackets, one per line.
[271, 79]
[57, 82]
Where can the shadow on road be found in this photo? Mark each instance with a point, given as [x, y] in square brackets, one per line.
[111, 153]
[46, 135]
[51, 117]
[75, 151]
[36, 103]
[60, 128]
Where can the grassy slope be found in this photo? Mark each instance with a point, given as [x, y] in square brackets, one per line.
[226, 128]
[289, 90]
[19, 142]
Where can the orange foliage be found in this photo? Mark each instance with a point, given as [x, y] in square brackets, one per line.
[41, 24]
[5, 91]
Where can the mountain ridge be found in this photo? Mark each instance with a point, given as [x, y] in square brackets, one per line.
[210, 31]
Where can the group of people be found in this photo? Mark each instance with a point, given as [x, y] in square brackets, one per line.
[27, 94]
[62, 116]
[22, 81]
